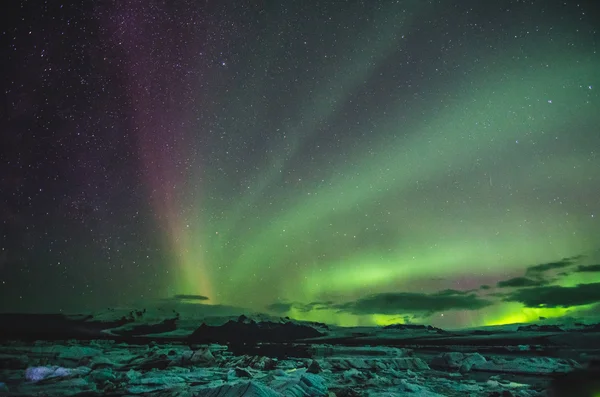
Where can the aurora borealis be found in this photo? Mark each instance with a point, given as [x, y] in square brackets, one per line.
[348, 162]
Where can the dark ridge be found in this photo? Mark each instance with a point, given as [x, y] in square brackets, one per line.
[592, 328]
[167, 325]
[482, 332]
[540, 328]
[245, 330]
[416, 327]
[28, 327]
[310, 323]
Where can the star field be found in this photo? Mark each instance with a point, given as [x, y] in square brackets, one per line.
[347, 162]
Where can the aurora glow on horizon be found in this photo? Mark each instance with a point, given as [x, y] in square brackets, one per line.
[376, 164]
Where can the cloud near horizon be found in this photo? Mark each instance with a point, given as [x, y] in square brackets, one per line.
[556, 296]
[520, 282]
[588, 268]
[284, 307]
[403, 302]
[536, 275]
[532, 290]
[538, 270]
[395, 303]
[184, 297]
[281, 307]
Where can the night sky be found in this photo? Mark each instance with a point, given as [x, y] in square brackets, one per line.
[352, 162]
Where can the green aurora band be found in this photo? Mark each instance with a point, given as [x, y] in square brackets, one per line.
[446, 188]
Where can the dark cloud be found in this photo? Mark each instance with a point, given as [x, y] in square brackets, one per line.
[280, 307]
[537, 270]
[556, 296]
[518, 282]
[182, 297]
[535, 276]
[588, 268]
[316, 306]
[418, 305]
[284, 307]
[447, 292]
[409, 302]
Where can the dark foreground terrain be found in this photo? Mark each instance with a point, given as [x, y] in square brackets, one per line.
[137, 354]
